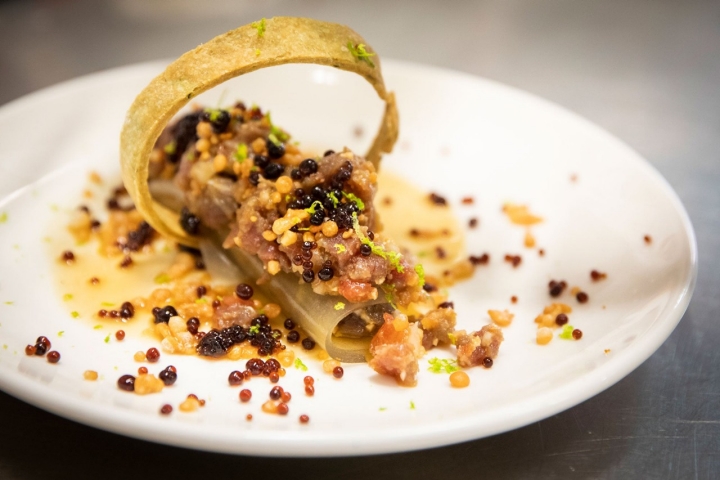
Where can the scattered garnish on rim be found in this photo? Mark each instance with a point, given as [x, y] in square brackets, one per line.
[107, 339]
[340, 248]
[339, 306]
[260, 27]
[97, 327]
[60, 333]
[300, 365]
[566, 333]
[3, 217]
[67, 296]
[107, 304]
[162, 278]
[75, 314]
[443, 365]
[360, 53]
[412, 405]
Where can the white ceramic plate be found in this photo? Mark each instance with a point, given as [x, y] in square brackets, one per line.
[460, 136]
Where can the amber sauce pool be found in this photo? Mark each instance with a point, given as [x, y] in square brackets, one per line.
[116, 285]
[404, 208]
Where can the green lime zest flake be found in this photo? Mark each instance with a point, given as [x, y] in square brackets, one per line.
[161, 278]
[170, 148]
[360, 53]
[382, 409]
[339, 306]
[201, 300]
[260, 27]
[420, 270]
[300, 365]
[257, 52]
[392, 257]
[213, 113]
[255, 329]
[97, 327]
[107, 339]
[67, 296]
[9, 303]
[278, 133]
[566, 333]
[353, 198]
[340, 248]
[412, 405]
[107, 304]
[453, 338]
[241, 153]
[313, 208]
[335, 200]
[61, 333]
[75, 314]
[442, 365]
[3, 217]
[274, 139]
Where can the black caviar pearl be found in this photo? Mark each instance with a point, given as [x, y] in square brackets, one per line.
[308, 265]
[306, 254]
[318, 193]
[272, 171]
[189, 222]
[254, 178]
[308, 343]
[275, 150]
[305, 201]
[328, 152]
[244, 291]
[255, 365]
[289, 324]
[297, 260]
[308, 276]
[163, 315]
[308, 166]
[307, 245]
[221, 122]
[343, 175]
[295, 174]
[261, 161]
[193, 324]
[317, 218]
[127, 310]
[293, 336]
[127, 383]
[326, 273]
[365, 250]
[168, 377]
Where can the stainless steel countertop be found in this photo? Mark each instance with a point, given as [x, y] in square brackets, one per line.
[647, 71]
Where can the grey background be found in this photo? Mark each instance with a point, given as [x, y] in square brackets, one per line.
[647, 71]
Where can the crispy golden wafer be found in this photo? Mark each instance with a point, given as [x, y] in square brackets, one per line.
[277, 41]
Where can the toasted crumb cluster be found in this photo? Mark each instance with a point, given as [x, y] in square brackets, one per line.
[311, 216]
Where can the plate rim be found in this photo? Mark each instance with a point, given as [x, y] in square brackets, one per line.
[404, 438]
